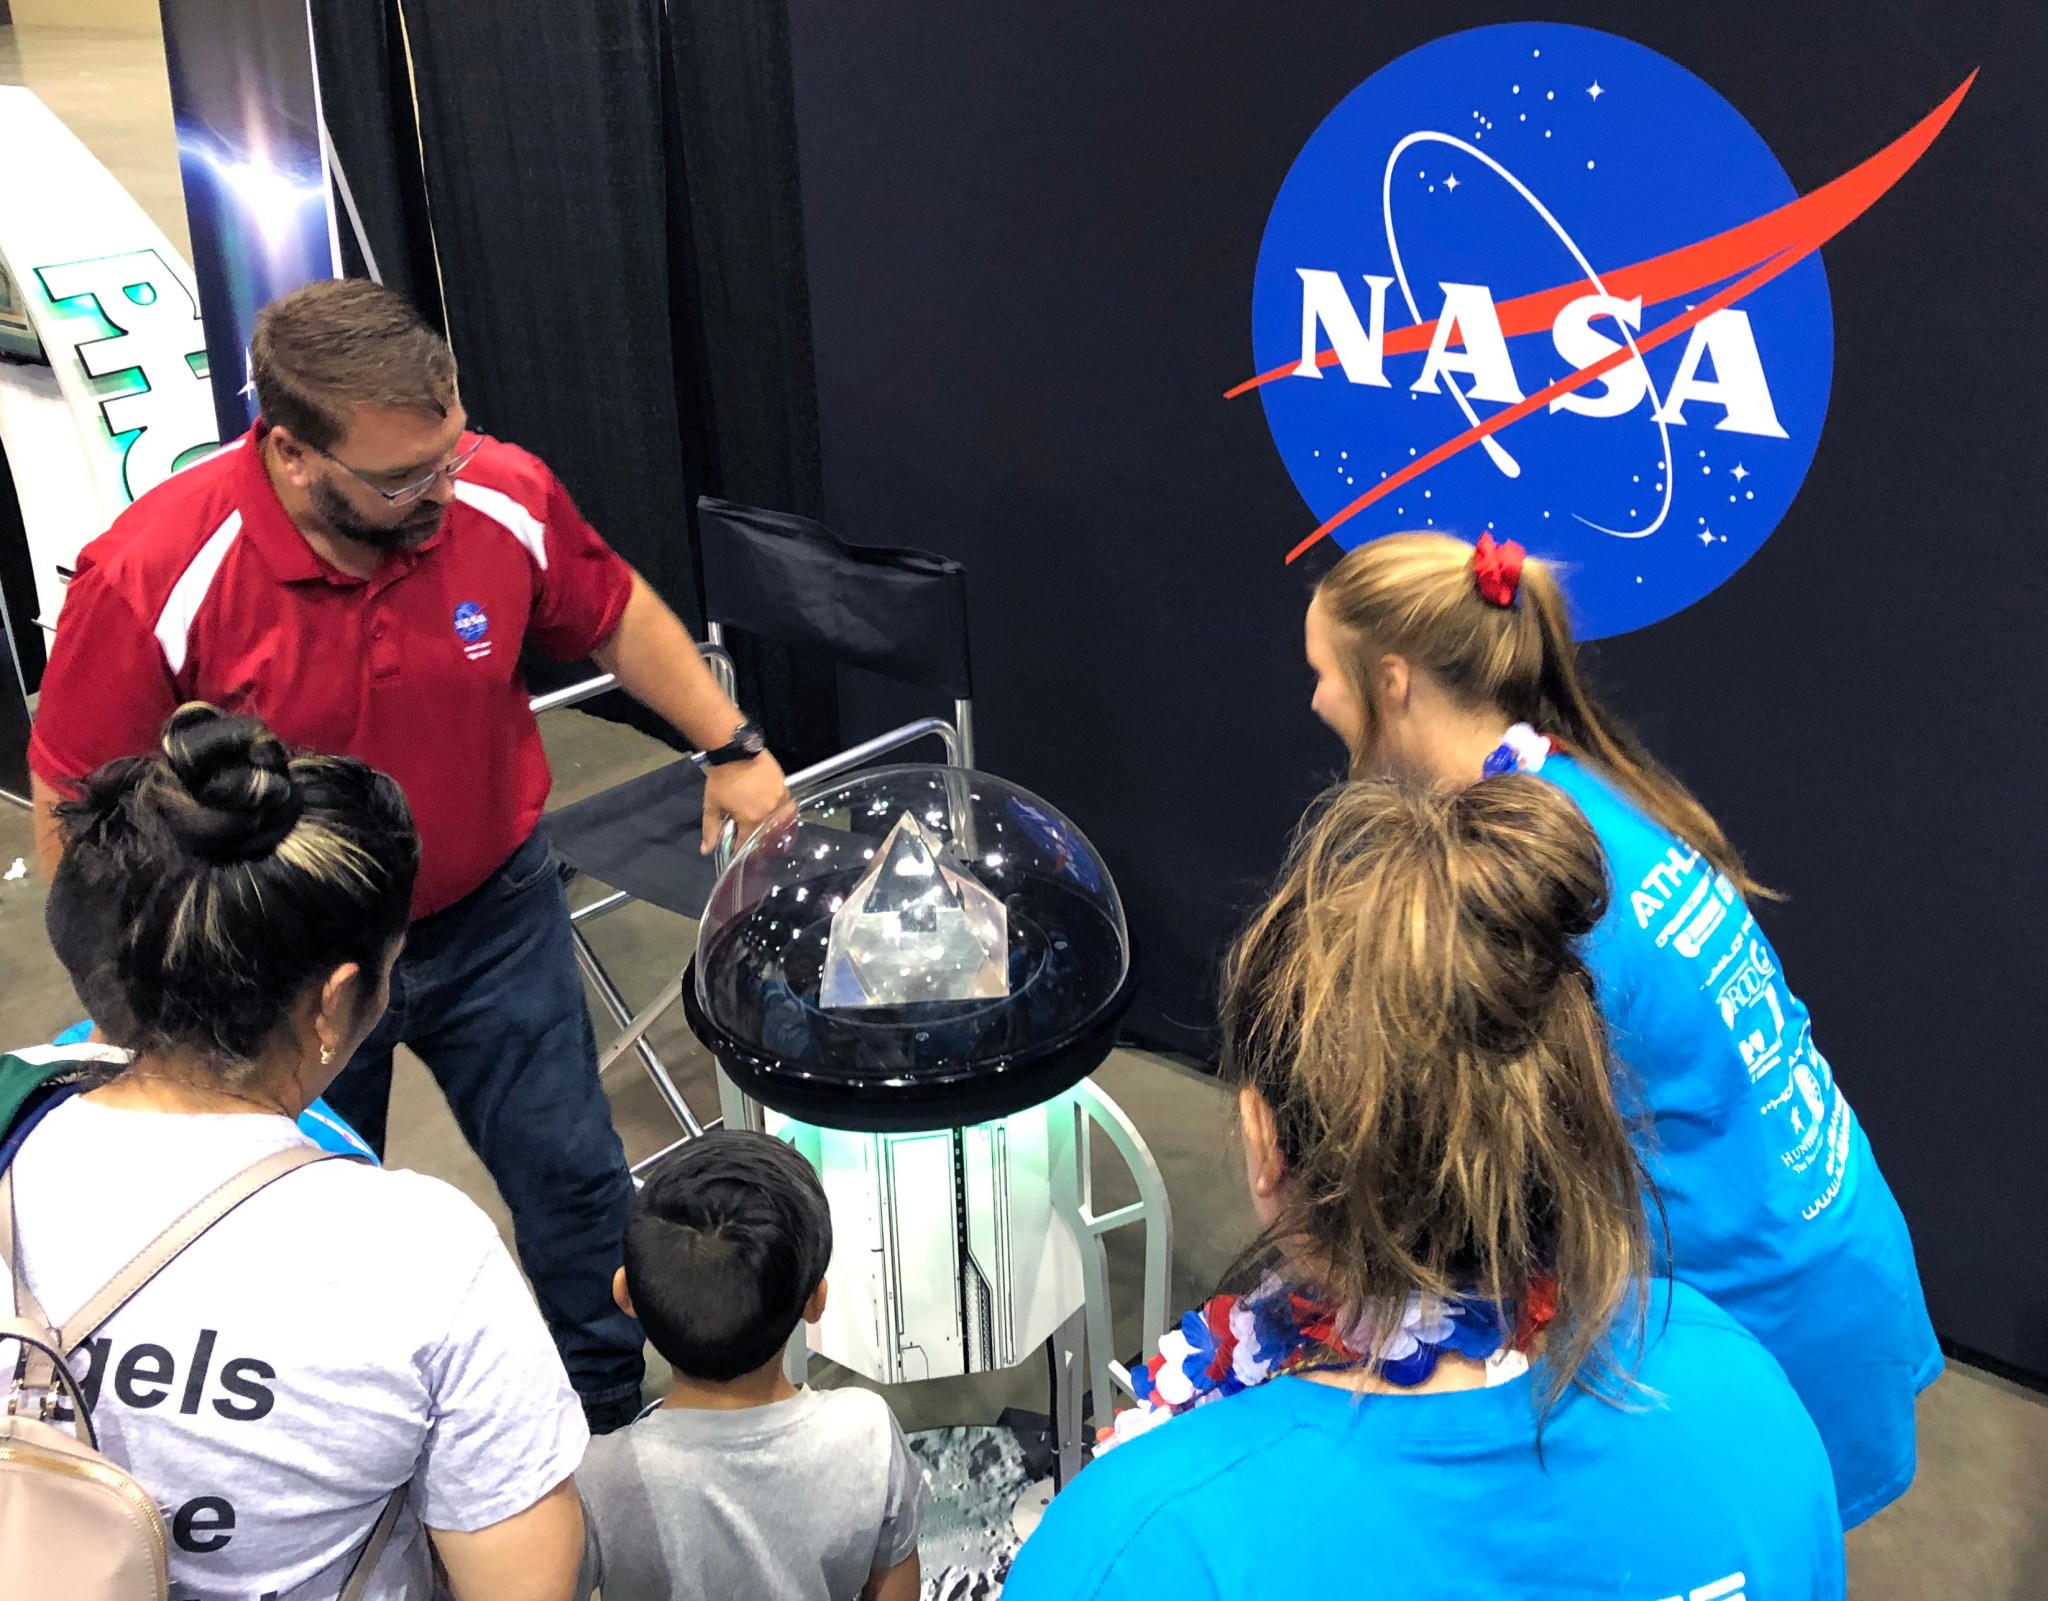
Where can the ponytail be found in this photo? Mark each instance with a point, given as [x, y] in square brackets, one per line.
[1417, 596]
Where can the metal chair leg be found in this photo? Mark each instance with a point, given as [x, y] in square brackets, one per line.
[615, 1003]
[608, 992]
[647, 1163]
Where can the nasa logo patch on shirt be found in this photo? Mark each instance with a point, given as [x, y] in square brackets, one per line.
[472, 623]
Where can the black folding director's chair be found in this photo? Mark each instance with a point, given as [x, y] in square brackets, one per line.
[901, 613]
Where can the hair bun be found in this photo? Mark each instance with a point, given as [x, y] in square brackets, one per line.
[1549, 874]
[238, 801]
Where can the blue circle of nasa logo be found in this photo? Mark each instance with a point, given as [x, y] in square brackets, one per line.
[471, 622]
[1526, 279]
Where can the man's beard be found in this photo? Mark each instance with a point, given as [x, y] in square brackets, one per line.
[343, 519]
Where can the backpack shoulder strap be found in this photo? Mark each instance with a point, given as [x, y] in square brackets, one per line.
[154, 1257]
[44, 1359]
[357, 1585]
[26, 1306]
[151, 1260]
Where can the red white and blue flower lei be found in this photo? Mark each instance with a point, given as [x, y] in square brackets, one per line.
[1234, 1343]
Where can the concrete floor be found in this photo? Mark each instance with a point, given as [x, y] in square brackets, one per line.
[1975, 1524]
[111, 89]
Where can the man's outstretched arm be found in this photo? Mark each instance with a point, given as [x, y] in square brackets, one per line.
[653, 656]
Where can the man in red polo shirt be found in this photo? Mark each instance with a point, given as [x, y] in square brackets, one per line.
[360, 571]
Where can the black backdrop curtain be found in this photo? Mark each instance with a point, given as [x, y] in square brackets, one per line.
[617, 268]
[366, 101]
[736, 221]
[1032, 232]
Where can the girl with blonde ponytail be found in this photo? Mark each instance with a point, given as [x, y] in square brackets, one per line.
[1453, 1375]
[1447, 663]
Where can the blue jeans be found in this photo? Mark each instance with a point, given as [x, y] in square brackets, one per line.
[488, 994]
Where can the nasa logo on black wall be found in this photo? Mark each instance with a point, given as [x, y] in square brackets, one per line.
[1542, 280]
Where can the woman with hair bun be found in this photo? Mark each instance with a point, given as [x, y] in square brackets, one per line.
[280, 1378]
[1453, 1374]
[1445, 662]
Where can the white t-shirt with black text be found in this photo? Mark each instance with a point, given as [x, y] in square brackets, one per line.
[347, 1330]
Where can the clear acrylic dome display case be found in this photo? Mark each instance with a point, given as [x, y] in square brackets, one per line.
[925, 947]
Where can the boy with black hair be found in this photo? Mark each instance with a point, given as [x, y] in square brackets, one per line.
[738, 1483]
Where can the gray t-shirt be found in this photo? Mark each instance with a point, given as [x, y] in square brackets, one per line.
[796, 1501]
[347, 1331]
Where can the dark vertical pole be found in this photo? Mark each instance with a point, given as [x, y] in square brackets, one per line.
[21, 667]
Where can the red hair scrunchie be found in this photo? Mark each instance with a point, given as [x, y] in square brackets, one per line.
[1497, 569]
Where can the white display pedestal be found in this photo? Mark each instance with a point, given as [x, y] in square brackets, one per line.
[948, 1256]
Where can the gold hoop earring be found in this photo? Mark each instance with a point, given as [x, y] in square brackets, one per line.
[327, 1056]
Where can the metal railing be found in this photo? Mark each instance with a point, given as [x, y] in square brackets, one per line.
[1074, 1197]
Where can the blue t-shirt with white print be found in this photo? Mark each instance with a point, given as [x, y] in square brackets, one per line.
[1709, 1484]
[1774, 1203]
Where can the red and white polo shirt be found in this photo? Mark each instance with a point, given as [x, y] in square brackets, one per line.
[204, 589]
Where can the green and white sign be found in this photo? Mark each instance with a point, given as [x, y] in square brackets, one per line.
[106, 394]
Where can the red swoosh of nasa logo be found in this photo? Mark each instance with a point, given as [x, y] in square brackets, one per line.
[1759, 250]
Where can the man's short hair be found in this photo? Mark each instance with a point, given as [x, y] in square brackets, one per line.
[725, 1244]
[320, 351]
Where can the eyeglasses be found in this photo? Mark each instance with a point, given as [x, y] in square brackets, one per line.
[411, 492]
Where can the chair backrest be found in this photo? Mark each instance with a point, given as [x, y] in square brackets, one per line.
[902, 613]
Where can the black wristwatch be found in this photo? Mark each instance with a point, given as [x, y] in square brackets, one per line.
[746, 743]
